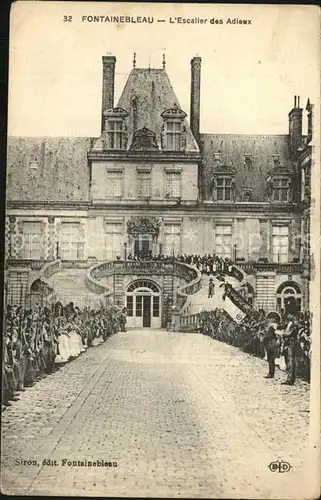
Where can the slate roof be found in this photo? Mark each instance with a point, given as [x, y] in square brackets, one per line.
[153, 92]
[60, 170]
[233, 148]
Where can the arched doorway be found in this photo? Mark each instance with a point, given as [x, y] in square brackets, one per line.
[289, 298]
[143, 304]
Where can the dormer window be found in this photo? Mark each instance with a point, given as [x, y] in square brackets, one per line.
[223, 188]
[279, 182]
[173, 132]
[281, 189]
[115, 127]
[223, 183]
[115, 134]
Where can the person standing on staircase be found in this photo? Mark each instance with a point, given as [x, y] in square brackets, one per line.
[211, 287]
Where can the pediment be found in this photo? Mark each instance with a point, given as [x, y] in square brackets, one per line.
[116, 113]
[144, 139]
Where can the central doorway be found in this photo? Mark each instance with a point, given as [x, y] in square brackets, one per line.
[146, 311]
[143, 244]
[143, 304]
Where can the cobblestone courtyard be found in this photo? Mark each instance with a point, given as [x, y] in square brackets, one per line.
[182, 415]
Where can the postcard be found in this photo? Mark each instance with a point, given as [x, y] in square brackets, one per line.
[162, 251]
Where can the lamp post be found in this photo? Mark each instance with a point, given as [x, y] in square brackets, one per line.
[235, 247]
[125, 248]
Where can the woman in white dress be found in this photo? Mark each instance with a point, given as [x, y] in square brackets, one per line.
[63, 352]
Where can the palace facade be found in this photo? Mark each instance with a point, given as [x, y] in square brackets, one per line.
[152, 182]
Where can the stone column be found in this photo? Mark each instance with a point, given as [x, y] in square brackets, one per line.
[82, 232]
[52, 250]
[44, 240]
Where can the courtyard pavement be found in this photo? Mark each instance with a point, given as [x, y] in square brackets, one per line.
[169, 414]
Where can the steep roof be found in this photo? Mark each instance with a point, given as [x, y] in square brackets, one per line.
[48, 168]
[153, 93]
[249, 174]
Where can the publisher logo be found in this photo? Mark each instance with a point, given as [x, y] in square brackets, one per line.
[279, 466]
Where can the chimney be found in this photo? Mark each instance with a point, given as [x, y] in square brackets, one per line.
[109, 63]
[195, 96]
[295, 127]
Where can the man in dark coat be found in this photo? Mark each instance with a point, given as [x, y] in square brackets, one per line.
[211, 288]
[290, 349]
[270, 344]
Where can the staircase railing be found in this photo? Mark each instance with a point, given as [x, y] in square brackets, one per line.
[193, 286]
[180, 269]
[92, 279]
[277, 267]
[50, 268]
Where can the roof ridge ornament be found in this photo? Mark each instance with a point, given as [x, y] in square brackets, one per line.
[164, 60]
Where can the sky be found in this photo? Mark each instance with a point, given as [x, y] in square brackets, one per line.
[250, 72]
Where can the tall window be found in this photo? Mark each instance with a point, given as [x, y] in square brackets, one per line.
[307, 182]
[71, 247]
[115, 134]
[223, 241]
[130, 305]
[172, 239]
[173, 135]
[280, 243]
[113, 240]
[223, 189]
[115, 184]
[31, 243]
[281, 189]
[173, 185]
[143, 184]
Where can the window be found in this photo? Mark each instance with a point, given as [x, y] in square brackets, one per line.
[223, 189]
[31, 244]
[173, 131]
[307, 183]
[143, 184]
[281, 189]
[155, 306]
[280, 243]
[113, 240]
[115, 134]
[173, 135]
[223, 241]
[173, 185]
[115, 184]
[139, 306]
[130, 308]
[71, 247]
[172, 239]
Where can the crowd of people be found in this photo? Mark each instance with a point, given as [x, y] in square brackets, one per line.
[206, 264]
[38, 341]
[286, 339]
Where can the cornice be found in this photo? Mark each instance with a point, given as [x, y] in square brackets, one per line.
[156, 206]
[36, 205]
[147, 156]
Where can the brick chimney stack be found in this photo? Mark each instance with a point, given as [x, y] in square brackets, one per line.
[109, 63]
[295, 127]
[195, 96]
